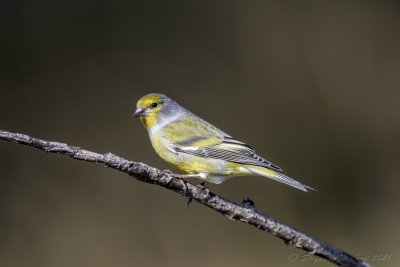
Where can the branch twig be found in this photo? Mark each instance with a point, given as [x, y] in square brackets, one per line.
[245, 212]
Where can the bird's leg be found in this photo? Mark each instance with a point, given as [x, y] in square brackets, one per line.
[201, 185]
[185, 176]
[195, 175]
[179, 176]
[191, 175]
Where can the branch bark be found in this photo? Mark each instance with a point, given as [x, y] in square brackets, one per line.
[245, 211]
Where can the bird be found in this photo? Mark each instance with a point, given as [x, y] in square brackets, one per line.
[198, 148]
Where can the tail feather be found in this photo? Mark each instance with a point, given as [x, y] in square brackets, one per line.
[278, 177]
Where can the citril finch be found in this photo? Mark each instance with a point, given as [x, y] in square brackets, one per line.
[198, 148]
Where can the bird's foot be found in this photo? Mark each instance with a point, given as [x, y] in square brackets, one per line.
[203, 189]
[202, 184]
[178, 176]
[168, 172]
[248, 203]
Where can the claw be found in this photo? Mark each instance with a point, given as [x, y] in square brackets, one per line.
[202, 186]
[247, 203]
[168, 172]
[189, 201]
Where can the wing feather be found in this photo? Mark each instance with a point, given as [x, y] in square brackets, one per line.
[200, 138]
[227, 149]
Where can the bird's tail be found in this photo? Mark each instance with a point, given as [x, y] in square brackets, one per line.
[278, 177]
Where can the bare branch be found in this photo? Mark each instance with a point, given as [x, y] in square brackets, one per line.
[245, 211]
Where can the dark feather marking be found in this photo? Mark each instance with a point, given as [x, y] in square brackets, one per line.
[234, 143]
[190, 140]
[233, 156]
[228, 149]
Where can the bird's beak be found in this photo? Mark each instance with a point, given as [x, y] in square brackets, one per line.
[140, 112]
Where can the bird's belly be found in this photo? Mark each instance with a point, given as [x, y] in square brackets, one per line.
[194, 164]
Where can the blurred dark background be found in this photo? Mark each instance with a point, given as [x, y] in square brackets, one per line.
[312, 85]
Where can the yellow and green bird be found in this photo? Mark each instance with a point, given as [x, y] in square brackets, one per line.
[198, 148]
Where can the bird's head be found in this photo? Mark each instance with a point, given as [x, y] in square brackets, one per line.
[148, 108]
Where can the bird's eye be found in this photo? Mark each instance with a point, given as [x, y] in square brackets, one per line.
[154, 105]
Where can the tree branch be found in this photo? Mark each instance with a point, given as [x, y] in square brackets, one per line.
[245, 211]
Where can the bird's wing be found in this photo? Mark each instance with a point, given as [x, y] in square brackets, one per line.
[227, 149]
[197, 137]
